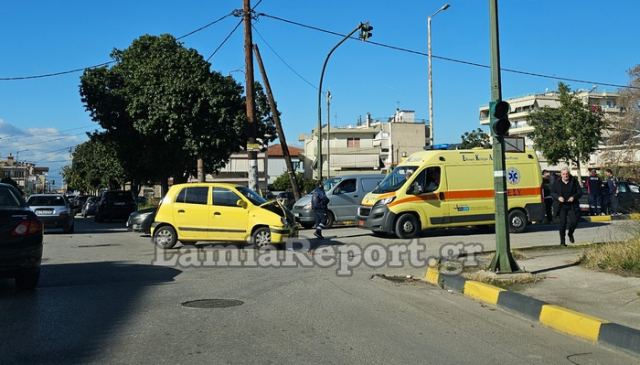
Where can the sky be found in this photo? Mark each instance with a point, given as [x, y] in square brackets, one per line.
[578, 39]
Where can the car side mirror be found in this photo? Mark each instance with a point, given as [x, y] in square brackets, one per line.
[337, 191]
[241, 203]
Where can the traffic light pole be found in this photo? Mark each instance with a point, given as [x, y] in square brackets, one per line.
[503, 261]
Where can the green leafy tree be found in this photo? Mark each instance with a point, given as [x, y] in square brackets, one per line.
[163, 108]
[475, 138]
[569, 133]
[94, 165]
[282, 182]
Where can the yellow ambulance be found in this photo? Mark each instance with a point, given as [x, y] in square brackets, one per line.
[452, 188]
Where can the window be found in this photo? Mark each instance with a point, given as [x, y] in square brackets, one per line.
[225, 197]
[47, 201]
[427, 181]
[353, 142]
[347, 186]
[623, 188]
[369, 184]
[7, 199]
[193, 195]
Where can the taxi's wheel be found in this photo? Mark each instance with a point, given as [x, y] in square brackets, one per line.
[407, 226]
[165, 237]
[517, 221]
[261, 238]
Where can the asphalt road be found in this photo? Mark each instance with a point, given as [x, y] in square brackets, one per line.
[101, 300]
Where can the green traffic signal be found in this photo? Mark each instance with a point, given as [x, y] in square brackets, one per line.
[365, 31]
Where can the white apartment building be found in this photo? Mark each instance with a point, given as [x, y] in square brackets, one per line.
[522, 106]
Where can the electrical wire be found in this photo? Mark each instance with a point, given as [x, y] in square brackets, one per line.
[469, 63]
[282, 59]
[31, 77]
[224, 40]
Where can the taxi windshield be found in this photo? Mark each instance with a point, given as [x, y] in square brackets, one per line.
[395, 179]
[251, 195]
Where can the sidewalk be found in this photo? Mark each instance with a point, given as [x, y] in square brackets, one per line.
[607, 296]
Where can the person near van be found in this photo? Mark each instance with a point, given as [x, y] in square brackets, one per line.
[566, 192]
[594, 188]
[548, 179]
[319, 202]
[610, 196]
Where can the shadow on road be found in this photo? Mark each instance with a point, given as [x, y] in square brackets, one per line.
[75, 312]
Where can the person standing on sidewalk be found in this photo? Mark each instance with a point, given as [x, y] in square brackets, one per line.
[566, 192]
[594, 188]
[610, 198]
[319, 202]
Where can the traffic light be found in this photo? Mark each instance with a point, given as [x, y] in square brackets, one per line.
[365, 31]
[501, 124]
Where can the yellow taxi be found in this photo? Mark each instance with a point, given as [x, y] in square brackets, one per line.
[452, 188]
[220, 212]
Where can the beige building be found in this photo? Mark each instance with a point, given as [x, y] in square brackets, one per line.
[29, 177]
[521, 107]
[372, 146]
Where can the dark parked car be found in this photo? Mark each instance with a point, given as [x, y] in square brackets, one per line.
[141, 220]
[53, 210]
[89, 207]
[20, 239]
[115, 204]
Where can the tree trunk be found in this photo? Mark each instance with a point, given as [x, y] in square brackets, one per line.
[579, 173]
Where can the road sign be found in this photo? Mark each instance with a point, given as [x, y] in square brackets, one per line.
[514, 144]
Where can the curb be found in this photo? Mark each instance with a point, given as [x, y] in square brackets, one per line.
[608, 218]
[561, 319]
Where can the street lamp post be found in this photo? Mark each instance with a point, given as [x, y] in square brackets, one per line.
[364, 29]
[442, 8]
[328, 134]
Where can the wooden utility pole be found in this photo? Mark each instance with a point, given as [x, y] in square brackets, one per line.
[276, 117]
[252, 147]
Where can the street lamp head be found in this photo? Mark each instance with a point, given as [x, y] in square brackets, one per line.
[444, 7]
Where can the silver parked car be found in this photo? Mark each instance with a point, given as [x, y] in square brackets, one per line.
[53, 210]
[345, 194]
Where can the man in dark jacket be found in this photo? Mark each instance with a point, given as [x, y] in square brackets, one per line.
[319, 202]
[610, 194]
[594, 188]
[566, 192]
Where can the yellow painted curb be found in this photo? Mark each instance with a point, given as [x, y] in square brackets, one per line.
[571, 322]
[481, 291]
[634, 216]
[599, 218]
[432, 275]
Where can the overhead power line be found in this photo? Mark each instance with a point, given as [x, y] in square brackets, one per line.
[282, 59]
[41, 76]
[224, 40]
[560, 78]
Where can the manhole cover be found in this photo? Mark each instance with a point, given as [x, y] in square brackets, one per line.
[212, 303]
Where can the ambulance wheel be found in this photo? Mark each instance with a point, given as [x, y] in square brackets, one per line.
[517, 221]
[407, 226]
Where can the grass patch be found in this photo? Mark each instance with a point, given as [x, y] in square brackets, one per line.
[621, 258]
[513, 283]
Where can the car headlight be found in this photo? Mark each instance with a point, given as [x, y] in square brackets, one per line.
[307, 206]
[386, 201]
